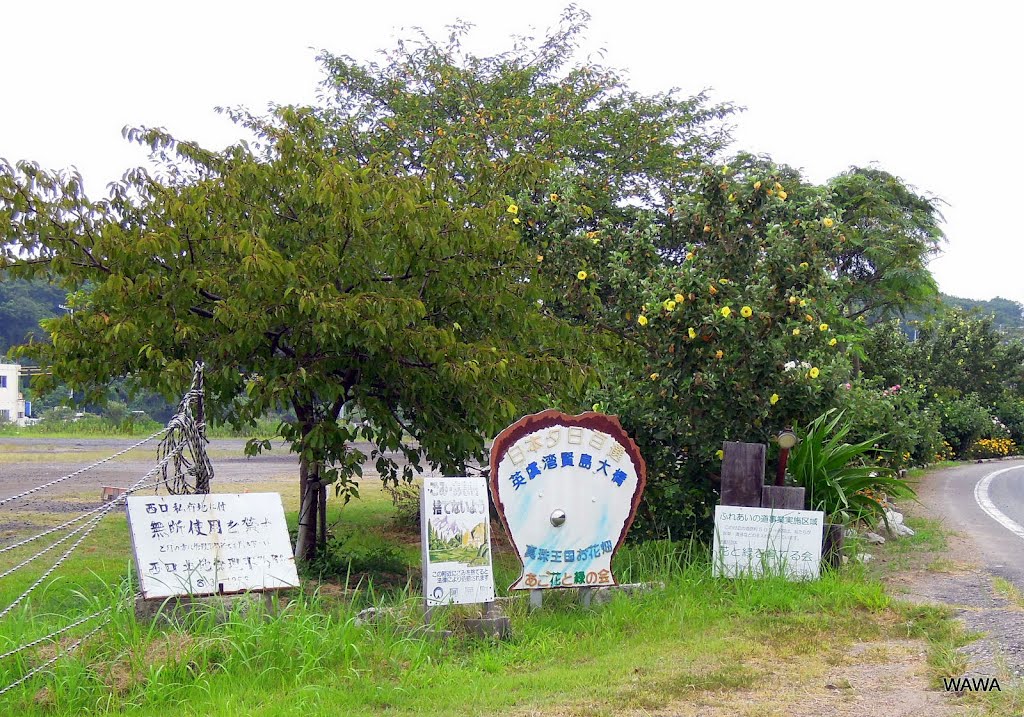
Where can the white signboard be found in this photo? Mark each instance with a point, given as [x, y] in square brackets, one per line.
[456, 535]
[756, 541]
[567, 488]
[209, 544]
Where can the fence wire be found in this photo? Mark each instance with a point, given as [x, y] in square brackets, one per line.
[182, 467]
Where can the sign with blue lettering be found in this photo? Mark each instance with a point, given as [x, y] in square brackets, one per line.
[567, 489]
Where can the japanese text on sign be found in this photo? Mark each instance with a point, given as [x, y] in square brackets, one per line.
[206, 544]
[757, 541]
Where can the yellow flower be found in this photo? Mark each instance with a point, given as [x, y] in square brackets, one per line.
[803, 265]
[689, 255]
[774, 399]
[808, 317]
[654, 377]
[680, 298]
[796, 332]
[540, 258]
[642, 321]
[719, 354]
[707, 227]
[833, 342]
[732, 197]
[723, 281]
[827, 221]
[692, 332]
[554, 197]
[712, 289]
[793, 299]
[513, 209]
[813, 373]
[783, 195]
[581, 275]
[669, 304]
[517, 221]
[719, 454]
[823, 327]
[757, 185]
[726, 311]
[778, 187]
[803, 302]
[746, 312]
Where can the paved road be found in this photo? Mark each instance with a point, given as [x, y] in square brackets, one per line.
[956, 493]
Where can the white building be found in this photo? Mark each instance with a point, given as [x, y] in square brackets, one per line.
[12, 401]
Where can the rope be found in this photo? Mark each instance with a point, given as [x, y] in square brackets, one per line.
[54, 634]
[94, 522]
[71, 648]
[192, 474]
[81, 470]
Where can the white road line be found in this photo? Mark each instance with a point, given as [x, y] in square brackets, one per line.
[983, 500]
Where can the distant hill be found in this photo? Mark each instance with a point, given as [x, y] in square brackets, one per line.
[1006, 314]
[23, 304]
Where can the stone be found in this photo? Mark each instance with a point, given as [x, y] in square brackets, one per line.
[865, 557]
[604, 595]
[874, 539]
[499, 627]
[185, 609]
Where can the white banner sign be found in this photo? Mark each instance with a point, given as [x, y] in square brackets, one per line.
[209, 544]
[756, 541]
[456, 535]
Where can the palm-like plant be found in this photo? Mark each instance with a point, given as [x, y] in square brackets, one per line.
[838, 477]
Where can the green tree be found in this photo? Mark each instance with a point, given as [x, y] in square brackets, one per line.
[306, 280]
[889, 234]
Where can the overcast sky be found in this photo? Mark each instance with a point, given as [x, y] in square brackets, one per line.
[930, 91]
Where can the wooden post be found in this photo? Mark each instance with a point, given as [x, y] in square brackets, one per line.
[780, 497]
[832, 545]
[742, 474]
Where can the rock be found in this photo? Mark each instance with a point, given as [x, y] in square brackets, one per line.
[895, 527]
[874, 539]
[865, 557]
[497, 627]
[850, 533]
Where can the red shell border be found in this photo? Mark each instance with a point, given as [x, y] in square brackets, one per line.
[551, 417]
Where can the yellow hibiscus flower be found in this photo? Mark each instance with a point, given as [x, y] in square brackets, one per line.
[774, 399]
[726, 311]
[513, 209]
[823, 327]
[828, 222]
[642, 321]
[813, 373]
[581, 275]
[691, 332]
[746, 312]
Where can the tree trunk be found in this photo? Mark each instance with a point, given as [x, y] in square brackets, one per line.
[321, 538]
[309, 503]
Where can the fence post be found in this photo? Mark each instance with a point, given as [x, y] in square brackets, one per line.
[742, 474]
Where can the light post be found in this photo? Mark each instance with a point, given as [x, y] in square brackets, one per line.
[786, 440]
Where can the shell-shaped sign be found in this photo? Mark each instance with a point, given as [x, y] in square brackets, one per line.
[567, 489]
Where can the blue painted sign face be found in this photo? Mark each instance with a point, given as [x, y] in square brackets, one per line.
[567, 489]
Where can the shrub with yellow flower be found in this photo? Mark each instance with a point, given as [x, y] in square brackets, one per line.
[642, 320]
[512, 209]
[828, 222]
[822, 327]
[726, 311]
[813, 373]
[774, 399]
[746, 312]
[581, 275]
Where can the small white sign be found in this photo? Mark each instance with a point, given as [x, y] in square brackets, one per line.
[758, 541]
[210, 544]
[456, 535]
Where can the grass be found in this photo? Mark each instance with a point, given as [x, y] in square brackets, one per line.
[96, 427]
[699, 640]
[1009, 591]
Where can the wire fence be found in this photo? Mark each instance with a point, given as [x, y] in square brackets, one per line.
[182, 467]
